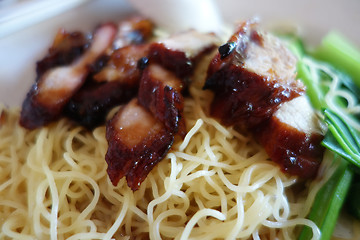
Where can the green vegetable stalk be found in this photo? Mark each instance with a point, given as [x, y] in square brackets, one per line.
[328, 202]
[338, 51]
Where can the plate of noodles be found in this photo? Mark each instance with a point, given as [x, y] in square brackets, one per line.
[214, 180]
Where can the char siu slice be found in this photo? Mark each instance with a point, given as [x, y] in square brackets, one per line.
[137, 142]
[65, 49]
[250, 76]
[253, 78]
[115, 84]
[48, 96]
[134, 30]
[180, 52]
[91, 104]
[292, 138]
[160, 93]
[122, 65]
[143, 131]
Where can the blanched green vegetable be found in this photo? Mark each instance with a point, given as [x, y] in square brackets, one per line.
[313, 90]
[338, 51]
[341, 138]
[328, 203]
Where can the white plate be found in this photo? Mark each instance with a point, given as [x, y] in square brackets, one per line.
[19, 51]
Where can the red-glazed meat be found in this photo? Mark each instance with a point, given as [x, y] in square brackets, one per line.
[91, 104]
[115, 84]
[180, 52]
[48, 96]
[122, 66]
[137, 142]
[134, 30]
[253, 78]
[65, 49]
[160, 93]
[292, 138]
[250, 77]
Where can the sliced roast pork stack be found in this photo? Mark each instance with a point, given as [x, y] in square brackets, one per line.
[292, 137]
[137, 142]
[180, 52]
[54, 88]
[143, 131]
[253, 78]
[250, 76]
[116, 83]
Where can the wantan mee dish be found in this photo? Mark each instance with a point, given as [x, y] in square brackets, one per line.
[129, 135]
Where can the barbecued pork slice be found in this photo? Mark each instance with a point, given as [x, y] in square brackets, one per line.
[91, 104]
[48, 96]
[180, 52]
[292, 138]
[137, 142]
[250, 76]
[115, 84]
[123, 65]
[160, 93]
[66, 47]
[134, 30]
[118, 80]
